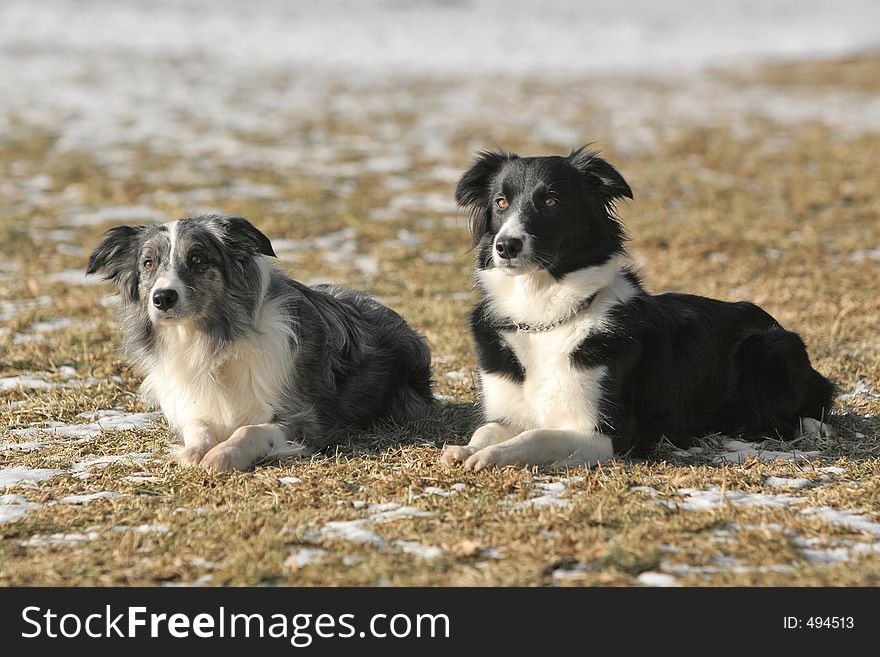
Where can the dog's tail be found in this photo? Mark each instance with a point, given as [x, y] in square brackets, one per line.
[414, 396]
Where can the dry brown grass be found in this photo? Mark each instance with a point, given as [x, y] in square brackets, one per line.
[780, 215]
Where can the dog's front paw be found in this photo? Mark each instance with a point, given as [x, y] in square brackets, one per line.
[489, 457]
[193, 455]
[455, 454]
[225, 458]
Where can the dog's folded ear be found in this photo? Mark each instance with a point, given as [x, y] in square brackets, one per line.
[241, 233]
[472, 191]
[604, 177]
[116, 258]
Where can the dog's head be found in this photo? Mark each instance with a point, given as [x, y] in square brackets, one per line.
[186, 270]
[551, 213]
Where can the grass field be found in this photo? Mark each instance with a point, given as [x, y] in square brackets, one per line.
[756, 183]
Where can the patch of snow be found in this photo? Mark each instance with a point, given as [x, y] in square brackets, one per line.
[9, 309]
[356, 530]
[573, 571]
[199, 511]
[549, 495]
[38, 540]
[13, 507]
[74, 277]
[60, 323]
[103, 420]
[862, 254]
[366, 265]
[438, 257]
[352, 530]
[440, 492]
[738, 451]
[15, 476]
[304, 557]
[115, 214]
[143, 529]
[417, 549]
[653, 578]
[30, 446]
[783, 482]
[726, 565]
[703, 500]
[100, 462]
[88, 497]
[457, 377]
[25, 382]
[203, 580]
[852, 520]
[199, 562]
[646, 489]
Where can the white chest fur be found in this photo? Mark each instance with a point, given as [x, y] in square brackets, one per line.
[239, 386]
[555, 393]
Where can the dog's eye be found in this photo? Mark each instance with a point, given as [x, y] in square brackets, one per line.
[551, 201]
[149, 264]
[502, 203]
[196, 260]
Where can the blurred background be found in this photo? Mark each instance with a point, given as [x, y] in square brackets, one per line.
[749, 131]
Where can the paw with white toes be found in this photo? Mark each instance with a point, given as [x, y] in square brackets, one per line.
[489, 457]
[456, 454]
[193, 455]
[225, 458]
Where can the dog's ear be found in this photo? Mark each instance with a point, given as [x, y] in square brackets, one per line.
[602, 176]
[116, 258]
[472, 191]
[241, 233]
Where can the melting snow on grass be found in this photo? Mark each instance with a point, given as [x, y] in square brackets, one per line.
[784, 482]
[88, 497]
[653, 578]
[22, 447]
[738, 451]
[13, 507]
[703, 500]
[103, 420]
[38, 540]
[304, 557]
[549, 494]
[356, 531]
[143, 529]
[135, 458]
[853, 520]
[10, 477]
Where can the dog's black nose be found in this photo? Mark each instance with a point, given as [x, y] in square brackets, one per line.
[509, 247]
[164, 299]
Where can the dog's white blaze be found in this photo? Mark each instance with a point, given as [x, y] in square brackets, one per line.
[172, 238]
[512, 227]
[536, 297]
[239, 386]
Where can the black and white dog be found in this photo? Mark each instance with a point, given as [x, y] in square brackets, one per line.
[577, 361]
[246, 363]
